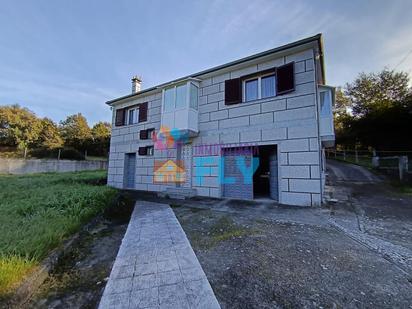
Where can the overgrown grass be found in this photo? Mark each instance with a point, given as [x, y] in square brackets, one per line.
[405, 188]
[362, 160]
[225, 228]
[37, 212]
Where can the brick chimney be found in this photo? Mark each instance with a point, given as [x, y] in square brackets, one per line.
[136, 84]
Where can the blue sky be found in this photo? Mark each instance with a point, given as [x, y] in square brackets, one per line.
[62, 57]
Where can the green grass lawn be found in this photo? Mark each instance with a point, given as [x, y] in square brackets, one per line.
[37, 212]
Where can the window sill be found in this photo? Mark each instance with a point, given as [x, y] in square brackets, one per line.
[130, 125]
[268, 99]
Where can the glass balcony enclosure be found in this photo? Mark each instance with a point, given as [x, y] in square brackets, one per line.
[180, 107]
[326, 102]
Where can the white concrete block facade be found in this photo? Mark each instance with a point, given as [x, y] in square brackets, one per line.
[288, 121]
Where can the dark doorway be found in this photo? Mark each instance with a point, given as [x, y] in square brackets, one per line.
[265, 179]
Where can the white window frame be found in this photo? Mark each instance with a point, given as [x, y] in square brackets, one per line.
[149, 150]
[327, 93]
[136, 115]
[150, 133]
[187, 105]
[259, 79]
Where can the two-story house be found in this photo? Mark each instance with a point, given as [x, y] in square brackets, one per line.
[253, 128]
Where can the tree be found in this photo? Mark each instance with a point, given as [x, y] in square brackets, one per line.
[375, 111]
[18, 127]
[377, 91]
[49, 137]
[75, 131]
[101, 130]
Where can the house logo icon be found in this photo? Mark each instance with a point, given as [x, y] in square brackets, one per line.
[169, 171]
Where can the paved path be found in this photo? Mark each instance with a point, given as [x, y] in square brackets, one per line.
[156, 266]
[372, 212]
[340, 171]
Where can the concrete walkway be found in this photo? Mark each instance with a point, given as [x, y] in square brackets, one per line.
[156, 266]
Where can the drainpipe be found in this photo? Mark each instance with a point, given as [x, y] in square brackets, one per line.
[317, 56]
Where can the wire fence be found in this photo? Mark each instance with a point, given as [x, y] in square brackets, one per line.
[57, 154]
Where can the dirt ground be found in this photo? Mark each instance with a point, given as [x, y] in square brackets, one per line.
[354, 253]
[255, 263]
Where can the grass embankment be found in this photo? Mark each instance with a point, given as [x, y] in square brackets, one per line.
[37, 212]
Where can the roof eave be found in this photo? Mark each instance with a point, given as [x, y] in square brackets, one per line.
[317, 37]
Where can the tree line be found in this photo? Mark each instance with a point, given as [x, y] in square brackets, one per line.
[372, 112]
[72, 138]
[375, 112]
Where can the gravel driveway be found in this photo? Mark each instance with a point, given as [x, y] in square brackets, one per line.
[255, 263]
[355, 253]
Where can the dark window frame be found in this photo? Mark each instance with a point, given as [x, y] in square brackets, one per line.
[259, 75]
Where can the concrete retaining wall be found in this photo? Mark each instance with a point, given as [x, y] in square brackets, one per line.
[19, 166]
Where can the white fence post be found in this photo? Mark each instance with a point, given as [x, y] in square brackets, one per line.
[375, 161]
[403, 166]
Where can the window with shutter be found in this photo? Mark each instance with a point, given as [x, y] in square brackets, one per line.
[285, 78]
[143, 112]
[143, 134]
[149, 150]
[150, 133]
[142, 151]
[120, 117]
[233, 91]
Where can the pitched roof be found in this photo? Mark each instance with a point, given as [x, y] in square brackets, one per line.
[317, 37]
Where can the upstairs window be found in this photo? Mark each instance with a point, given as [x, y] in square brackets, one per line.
[268, 86]
[193, 96]
[133, 115]
[260, 85]
[259, 88]
[180, 97]
[251, 90]
[325, 103]
[169, 99]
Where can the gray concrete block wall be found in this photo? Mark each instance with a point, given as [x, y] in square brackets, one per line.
[125, 139]
[30, 166]
[288, 121]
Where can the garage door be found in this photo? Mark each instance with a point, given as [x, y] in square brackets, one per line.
[273, 176]
[234, 184]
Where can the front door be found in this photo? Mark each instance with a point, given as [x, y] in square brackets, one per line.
[130, 170]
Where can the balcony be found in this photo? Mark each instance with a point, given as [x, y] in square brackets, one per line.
[180, 107]
[327, 101]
